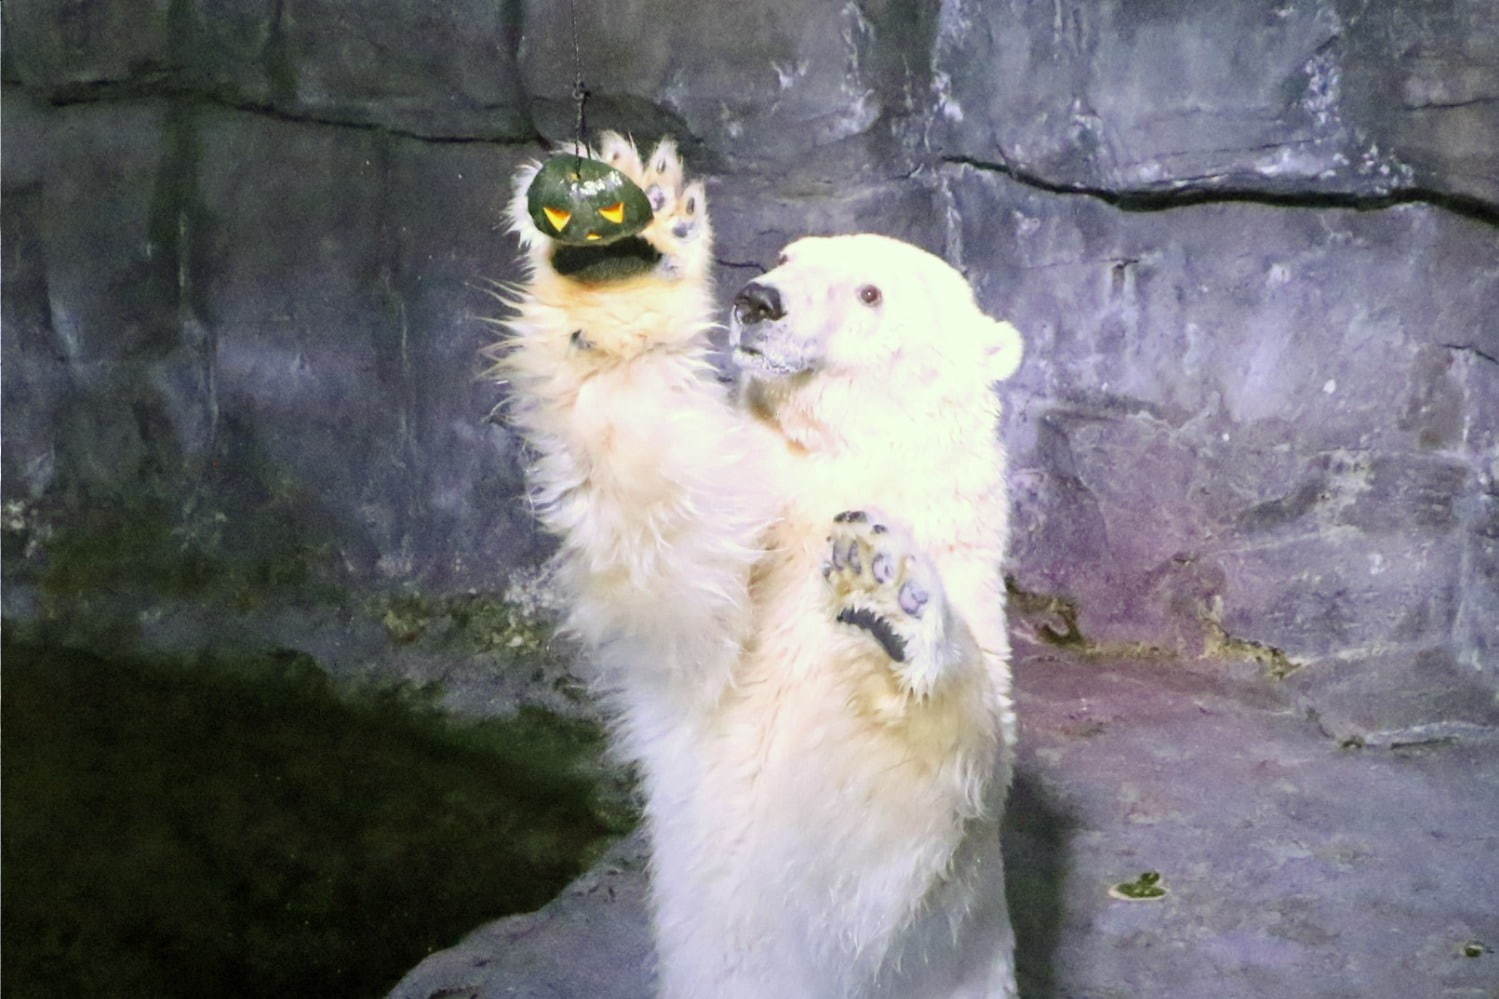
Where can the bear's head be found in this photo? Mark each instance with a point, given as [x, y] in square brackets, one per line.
[860, 316]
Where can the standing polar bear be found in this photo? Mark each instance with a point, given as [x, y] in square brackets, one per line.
[793, 598]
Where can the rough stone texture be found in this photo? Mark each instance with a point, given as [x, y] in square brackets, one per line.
[1334, 96]
[1264, 419]
[770, 86]
[238, 319]
[1254, 249]
[259, 294]
[444, 70]
[591, 940]
[1293, 868]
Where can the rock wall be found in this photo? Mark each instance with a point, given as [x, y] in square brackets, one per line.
[1254, 249]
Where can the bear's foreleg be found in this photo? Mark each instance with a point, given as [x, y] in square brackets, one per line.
[644, 484]
[637, 462]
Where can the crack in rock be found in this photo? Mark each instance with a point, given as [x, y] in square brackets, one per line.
[1137, 199]
[1474, 350]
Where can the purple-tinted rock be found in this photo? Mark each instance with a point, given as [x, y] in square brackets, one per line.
[1477, 633]
[1292, 868]
[1412, 695]
[1239, 414]
[1343, 592]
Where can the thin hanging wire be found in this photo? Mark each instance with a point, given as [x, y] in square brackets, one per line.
[580, 92]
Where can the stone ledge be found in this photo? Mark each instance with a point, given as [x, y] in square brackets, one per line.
[1249, 814]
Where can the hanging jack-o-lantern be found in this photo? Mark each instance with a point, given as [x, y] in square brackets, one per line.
[582, 202]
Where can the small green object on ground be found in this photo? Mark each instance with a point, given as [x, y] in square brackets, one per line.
[1144, 888]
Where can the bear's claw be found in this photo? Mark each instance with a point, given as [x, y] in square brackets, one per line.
[879, 627]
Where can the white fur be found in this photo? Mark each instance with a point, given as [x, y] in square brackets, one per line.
[821, 825]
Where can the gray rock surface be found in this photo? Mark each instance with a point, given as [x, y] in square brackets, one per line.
[1327, 96]
[1293, 867]
[1259, 422]
[1254, 250]
[592, 940]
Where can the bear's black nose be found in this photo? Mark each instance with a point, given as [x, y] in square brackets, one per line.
[756, 303]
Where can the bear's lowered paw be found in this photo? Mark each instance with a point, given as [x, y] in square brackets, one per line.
[881, 584]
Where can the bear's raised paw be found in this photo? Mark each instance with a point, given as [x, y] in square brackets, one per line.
[675, 247]
[680, 206]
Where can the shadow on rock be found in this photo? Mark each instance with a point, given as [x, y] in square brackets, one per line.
[1035, 847]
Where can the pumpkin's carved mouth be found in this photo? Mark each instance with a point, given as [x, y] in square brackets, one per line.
[611, 262]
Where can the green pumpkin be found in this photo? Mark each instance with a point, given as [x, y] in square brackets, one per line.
[583, 202]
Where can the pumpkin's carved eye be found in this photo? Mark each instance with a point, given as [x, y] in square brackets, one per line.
[614, 213]
[869, 295]
[559, 217]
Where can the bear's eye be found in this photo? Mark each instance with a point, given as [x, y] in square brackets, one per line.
[869, 295]
[782, 260]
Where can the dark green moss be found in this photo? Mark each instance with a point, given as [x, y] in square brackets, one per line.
[101, 564]
[469, 623]
[237, 829]
[144, 545]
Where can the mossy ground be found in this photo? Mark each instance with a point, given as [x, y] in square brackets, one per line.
[240, 829]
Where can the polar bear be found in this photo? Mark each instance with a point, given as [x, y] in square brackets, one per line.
[792, 595]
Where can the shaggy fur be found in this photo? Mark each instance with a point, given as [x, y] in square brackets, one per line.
[817, 699]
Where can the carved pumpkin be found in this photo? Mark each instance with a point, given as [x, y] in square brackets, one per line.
[583, 202]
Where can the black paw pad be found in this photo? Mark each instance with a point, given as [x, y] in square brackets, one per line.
[859, 617]
[851, 517]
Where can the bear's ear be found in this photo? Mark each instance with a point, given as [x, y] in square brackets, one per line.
[1003, 349]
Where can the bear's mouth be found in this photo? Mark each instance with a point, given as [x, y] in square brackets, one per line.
[755, 362]
[610, 262]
